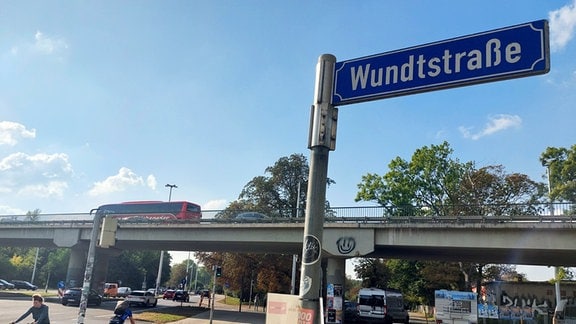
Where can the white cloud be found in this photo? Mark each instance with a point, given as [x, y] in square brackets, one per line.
[217, 204]
[125, 178]
[50, 189]
[495, 124]
[47, 45]
[42, 44]
[7, 210]
[562, 25]
[151, 182]
[11, 133]
[40, 175]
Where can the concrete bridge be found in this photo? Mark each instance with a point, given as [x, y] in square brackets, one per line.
[530, 240]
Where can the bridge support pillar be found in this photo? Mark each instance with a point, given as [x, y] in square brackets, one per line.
[335, 280]
[75, 272]
[101, 269]
[77, 265]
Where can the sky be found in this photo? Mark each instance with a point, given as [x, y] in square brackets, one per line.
[109, 101]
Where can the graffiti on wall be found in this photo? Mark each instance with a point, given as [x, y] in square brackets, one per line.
[526, 307]
[517, 306]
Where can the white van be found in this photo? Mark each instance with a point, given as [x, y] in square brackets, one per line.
[382, 306]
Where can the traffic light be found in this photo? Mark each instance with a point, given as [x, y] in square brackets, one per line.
[218, 271]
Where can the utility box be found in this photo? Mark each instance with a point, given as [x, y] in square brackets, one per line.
[108, 232]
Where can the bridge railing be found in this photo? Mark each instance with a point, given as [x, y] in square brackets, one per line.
[446, 213]
[452, 213]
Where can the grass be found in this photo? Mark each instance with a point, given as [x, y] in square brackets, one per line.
[176, 313]
[170, 314]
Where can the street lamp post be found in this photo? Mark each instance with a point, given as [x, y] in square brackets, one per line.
[171, 186]
[158, 278]
[550, 201]
[547, 164]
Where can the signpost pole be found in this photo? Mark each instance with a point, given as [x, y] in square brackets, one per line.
[89, 266]
[321, 140]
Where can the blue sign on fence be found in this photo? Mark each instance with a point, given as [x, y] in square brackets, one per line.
[505, 53]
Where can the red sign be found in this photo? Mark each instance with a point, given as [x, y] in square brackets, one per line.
[306, 316]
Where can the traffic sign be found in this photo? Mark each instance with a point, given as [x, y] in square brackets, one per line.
[506, 53]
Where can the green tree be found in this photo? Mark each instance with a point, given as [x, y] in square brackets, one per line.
[431, 179]
[54, 267]
[502, 272]
[245, 272]
[373, 272]
[433, 183]
[32, 216]
[138, 268]
[276, 193]
[490, 191]
[178, 272]
[561, 165]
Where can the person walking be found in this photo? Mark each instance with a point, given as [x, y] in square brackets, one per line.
[38, 310]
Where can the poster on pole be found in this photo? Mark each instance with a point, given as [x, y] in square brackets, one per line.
[286, 309]
[456, 306]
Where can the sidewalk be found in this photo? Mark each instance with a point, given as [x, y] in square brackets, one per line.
[228, 314]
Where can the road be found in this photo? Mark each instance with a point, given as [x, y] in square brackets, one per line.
[14, 305]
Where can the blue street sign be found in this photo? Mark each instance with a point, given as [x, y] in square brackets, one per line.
[500, 54]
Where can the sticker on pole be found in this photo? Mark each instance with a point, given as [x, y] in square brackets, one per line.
[311, 250]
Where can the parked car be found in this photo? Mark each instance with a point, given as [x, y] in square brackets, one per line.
[168, 294]
[142, 297]
[380, 305]
[251, 217]
[21, 284]
[350, 312]
[153, 290]
[181, 295]
[72, 296]
[6, 284]
[110, 289]
[123, 291]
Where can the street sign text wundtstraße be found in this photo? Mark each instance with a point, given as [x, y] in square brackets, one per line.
[505, 53]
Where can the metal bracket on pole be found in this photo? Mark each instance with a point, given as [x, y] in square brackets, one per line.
[323, 115]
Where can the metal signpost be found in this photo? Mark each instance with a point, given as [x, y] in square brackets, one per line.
[505, 53]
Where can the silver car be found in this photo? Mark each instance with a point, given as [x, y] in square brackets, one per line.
[251, 217]
[142, 297]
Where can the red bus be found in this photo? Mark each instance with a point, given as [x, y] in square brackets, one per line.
[180, 210]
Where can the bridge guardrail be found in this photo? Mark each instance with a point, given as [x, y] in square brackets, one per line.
[545, 212]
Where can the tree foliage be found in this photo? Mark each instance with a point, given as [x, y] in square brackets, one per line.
[278, 192]
[433, 183]
[561, 165]
[246, 272]
[431, 178]
[19, 262]
[197, 277]
[138, 269]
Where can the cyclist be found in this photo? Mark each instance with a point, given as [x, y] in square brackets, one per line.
[121, 313]
[38, 310]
